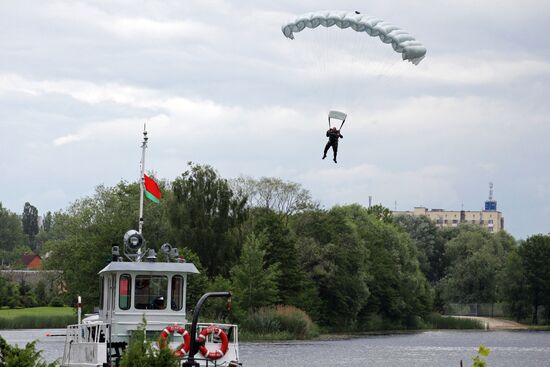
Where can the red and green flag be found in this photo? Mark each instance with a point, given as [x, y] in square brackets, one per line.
[152, 191]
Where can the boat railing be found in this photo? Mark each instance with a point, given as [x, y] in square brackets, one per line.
[81, 334]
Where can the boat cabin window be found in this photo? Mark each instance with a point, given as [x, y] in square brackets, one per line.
[125, 292]
[151, 292]
[177, 293]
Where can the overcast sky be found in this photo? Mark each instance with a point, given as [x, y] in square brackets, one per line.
[217, 83]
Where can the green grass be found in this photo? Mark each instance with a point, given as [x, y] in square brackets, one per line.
[37, 317]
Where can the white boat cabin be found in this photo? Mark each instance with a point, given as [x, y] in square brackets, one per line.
[134, 291]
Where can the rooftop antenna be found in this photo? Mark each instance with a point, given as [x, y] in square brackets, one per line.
[395, 205]
[370, 201]
[490, 191]
[142, 178]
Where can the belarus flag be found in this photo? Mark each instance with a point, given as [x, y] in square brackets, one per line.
[152, 190]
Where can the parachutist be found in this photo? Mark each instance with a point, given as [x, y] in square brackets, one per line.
[333, 135]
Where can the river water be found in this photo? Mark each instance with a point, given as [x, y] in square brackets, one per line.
[430, 349]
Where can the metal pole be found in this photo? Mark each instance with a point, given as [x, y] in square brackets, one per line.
[142, 178]
[79, 308]
[194, 347]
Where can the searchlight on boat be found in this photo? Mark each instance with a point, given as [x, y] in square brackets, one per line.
[134, 245]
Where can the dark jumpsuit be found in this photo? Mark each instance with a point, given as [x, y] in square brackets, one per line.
[333, 136]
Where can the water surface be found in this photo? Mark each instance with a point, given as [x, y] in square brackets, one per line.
[431, 348]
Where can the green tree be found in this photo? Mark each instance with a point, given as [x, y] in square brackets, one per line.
[535, 255]
[475, 259]
[48, 221]
[336, 261]
[26, 294]
[11, 231]
[380, 212]
[513, 284]
[9, 293]
[254, 282]
[430, 244]
[271, 193]
[206, 216]
[30, 223]
[83, 235]
[400, 294]
[281, 249]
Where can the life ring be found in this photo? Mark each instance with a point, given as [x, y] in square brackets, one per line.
[217, 354]
[183, 348]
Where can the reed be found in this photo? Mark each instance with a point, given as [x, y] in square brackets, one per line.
[437, 321]
[37, 322]
[37, 318]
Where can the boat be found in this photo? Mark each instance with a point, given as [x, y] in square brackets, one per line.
[137, 286]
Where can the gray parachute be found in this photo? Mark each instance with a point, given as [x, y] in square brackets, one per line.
[401, 41]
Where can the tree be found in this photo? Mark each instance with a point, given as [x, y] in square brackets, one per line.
[430, 243]
[83, 235]
[475, 259]
[30, 223]
[47, 223]
[254, 282]
[9, 293]
[11, 232]
[380, 212]
[206, 216]
[280, 248]
[535, 255]
[336, 261]
[272, 193]
[513, 284]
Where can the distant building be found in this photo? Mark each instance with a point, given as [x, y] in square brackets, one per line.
[31, 262]
[489, 218]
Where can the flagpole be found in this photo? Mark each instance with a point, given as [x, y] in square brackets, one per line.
[142, 178]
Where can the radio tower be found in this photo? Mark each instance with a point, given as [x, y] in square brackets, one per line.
[491, 204]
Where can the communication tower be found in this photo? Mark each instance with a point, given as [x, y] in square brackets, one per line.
[490, 205]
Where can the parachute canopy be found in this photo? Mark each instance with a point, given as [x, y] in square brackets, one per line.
[337, 115]
[401, 40]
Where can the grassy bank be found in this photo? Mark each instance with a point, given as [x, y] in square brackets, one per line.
[37, 317]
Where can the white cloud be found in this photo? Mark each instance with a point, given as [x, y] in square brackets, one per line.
[460, 70]
[117, 21]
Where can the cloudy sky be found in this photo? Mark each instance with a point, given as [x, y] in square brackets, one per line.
[218, 83]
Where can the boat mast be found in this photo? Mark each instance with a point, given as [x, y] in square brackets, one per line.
[142, 178]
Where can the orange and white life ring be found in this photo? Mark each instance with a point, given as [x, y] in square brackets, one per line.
[183, 348]
[216, 354]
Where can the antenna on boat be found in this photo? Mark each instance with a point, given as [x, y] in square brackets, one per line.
[142, 178]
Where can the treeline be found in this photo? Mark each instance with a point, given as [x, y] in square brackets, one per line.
[267, 241]
[22, 233]
[23, 294]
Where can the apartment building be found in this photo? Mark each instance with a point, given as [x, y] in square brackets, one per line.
[489, 218]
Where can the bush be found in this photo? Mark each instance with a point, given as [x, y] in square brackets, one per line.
[141, 353]
[56, 302]
[12, 356]
[281, 320]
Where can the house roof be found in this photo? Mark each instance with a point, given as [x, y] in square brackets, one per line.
[27, 259]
